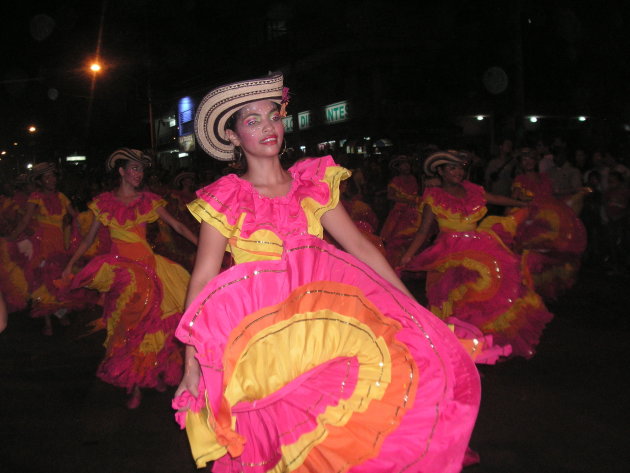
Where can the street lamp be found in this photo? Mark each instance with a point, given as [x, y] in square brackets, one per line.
[96, 67]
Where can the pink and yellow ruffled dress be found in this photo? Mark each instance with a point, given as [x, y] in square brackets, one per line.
[13, 281]
[49, 253]
[142, 296]
[81, 227]
[549, 235]
[403, 220]
[365, 220]
[474, 277]
[310, 361]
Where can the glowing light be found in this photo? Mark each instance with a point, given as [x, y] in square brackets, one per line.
[29, 166]
[582, 118]
[32, 129]
[533, 119]
[480, 117]
[95, 67]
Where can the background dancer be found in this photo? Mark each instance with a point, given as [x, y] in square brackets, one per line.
[472, 275]
[143, 292]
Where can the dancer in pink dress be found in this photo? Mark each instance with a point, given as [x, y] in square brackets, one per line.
[404, 218]
[472, 275]
[301, 356]
[549, 234]
[49, 214]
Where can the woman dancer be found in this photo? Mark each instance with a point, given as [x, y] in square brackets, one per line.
[403, 219]
[472, 275]
[49, 213]
[143, 293]
[303, 357]
[13, 283]
[549, 234]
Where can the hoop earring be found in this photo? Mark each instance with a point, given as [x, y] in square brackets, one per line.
[238, 154]
[284, 151]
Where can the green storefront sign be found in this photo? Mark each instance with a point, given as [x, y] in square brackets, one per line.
[337, 112]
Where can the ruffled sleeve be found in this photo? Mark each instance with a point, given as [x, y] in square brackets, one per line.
[235, 208]
[111, 211]
[220, 204]
[318, 188]
[441, 201]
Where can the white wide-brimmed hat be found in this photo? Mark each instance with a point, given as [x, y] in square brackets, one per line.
[40, 169]
[439, 158]
[221, 103]
[128, 154]
[184, 175]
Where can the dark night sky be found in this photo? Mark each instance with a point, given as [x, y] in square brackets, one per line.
[574, 54]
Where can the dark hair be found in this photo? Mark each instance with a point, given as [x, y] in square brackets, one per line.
[119, 163]
[240, 163]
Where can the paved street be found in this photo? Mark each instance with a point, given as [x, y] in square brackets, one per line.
[563, 411]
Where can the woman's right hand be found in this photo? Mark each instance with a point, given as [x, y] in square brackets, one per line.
[190, 380]
[67, 272]
[404, 260]
[26, 248]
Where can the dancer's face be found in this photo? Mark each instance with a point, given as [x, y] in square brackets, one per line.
[528, 163]
[405, 168]
[258, 130]
[452, 173]
[132, 173]
[187, 183]
[49, 181]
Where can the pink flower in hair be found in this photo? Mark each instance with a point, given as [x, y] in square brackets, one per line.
[284, 102]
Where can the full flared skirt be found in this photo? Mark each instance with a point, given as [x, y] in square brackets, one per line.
[142, 305]
[314, 363]
[475, 278]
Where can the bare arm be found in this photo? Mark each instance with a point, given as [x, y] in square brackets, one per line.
[87, 241]
[210, 252]
[30, 211]
[176, 225]
[71, 210]
[338, 223]
[503, 200]
[428, 217]
[517, 193]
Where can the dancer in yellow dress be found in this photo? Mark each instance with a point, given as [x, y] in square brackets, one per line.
[143, 292]
[49, 214]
